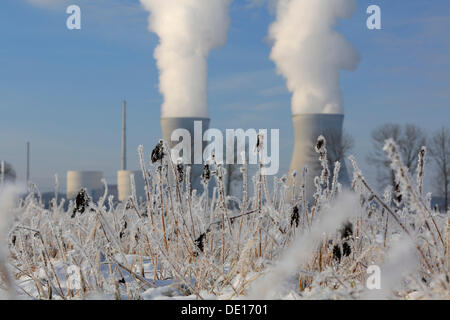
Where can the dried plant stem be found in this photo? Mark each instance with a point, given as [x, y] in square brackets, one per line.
[147, 185]
[162, 212]
[384, 205]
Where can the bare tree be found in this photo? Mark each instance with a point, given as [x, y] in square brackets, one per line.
[338, 146]
[7, 173]
[410, 140]
[440, 153]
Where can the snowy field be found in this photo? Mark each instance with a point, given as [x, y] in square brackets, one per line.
[270, 243]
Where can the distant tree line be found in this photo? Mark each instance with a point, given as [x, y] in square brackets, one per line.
[410, 140]
[7, 173]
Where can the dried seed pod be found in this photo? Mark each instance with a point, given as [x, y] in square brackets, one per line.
[158, 152]
[398, 194]
[295, 217]
[320, 143]
[180, 170]
[347, 230]
[206, 175]
[199, 242]
[337, 254]
[346, 249]
[294, 174]
[81, 202]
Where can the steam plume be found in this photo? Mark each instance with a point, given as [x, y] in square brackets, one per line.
[309, 53]
[188, 31]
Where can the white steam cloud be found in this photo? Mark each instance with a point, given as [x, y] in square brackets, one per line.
[309, 53]
[188, 31]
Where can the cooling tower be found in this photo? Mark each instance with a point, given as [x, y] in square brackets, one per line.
[168, 125]
[308, 127]
[90, 180]
[124, 184]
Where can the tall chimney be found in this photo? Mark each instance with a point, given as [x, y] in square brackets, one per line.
[169, 125]
[28, 162]
[124, 190]
[308, 127]
[124, 136]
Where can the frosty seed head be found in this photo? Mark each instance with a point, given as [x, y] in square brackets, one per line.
[81, 202]
[295, 217]
[158, 152]
[180, 171]
[206, 175]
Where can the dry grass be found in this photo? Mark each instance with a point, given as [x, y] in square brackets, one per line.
[198, 246]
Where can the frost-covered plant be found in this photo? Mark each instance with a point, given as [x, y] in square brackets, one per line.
[267, 244]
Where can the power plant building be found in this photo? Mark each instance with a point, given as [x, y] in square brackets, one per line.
[89, 180]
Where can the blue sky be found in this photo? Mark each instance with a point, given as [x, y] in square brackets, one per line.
[62, 90]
